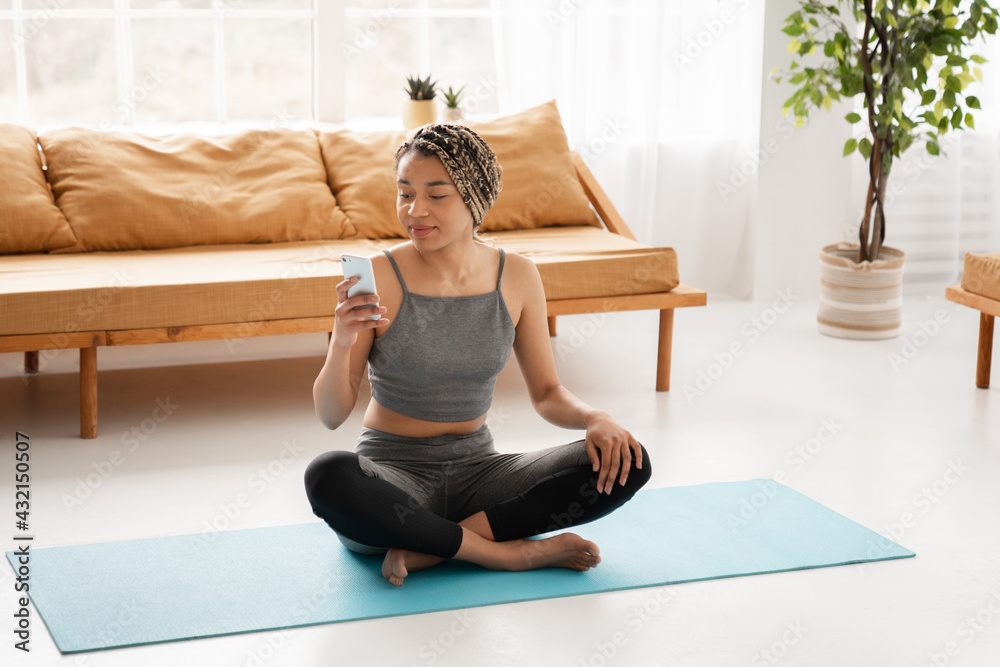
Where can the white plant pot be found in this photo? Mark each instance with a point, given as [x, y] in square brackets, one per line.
[452, 114]
[419, 112]
[860, 301]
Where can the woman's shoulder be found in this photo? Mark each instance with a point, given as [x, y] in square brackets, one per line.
[519, 267]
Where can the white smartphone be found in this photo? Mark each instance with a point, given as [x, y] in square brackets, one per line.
[354, 265]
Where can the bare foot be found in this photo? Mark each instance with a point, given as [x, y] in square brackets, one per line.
[399, 562]
[567, 550]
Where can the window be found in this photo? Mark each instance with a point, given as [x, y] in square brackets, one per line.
[386, 41]
[120, 62]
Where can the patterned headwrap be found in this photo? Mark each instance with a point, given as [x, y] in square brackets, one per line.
[466, 157]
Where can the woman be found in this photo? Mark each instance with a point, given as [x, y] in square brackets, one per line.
[424, 483]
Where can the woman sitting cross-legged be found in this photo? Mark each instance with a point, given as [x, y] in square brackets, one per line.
[425, 483]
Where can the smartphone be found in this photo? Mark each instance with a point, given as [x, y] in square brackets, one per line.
[354, 265]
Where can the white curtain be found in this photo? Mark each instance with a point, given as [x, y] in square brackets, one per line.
[662, 97]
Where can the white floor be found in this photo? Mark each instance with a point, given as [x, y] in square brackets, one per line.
[893, 434]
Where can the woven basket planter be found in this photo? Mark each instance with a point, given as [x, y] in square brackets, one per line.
[860, 301]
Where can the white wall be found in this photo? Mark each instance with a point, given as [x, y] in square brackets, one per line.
[803, 187]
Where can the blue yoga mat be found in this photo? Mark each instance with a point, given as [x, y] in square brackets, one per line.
[112, 595]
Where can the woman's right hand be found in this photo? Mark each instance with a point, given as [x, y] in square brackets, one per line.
[352, 317]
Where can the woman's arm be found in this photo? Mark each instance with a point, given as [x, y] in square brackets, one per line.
[335, 391]
[611, 447]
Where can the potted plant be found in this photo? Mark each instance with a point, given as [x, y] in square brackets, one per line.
[906, 59]
[452, 98]
[420, 108]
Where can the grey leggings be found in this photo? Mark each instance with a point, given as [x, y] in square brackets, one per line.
[397, 491]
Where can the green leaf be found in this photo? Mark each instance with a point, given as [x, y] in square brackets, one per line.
[865, 147]
[977, 59]
[972, 102]
[794, 46]
[927, 97]
[850, 146]
[970, 121]
[793, 30]
[939, 109]
[956, 120]
[933, 148]
[853, 117]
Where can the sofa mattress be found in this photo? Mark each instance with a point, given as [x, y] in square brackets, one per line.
[982, 275]
[107, 291]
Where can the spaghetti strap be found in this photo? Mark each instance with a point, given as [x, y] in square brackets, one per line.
[399, 275]
[500, 275]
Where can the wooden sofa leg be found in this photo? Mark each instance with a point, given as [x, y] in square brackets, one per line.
[985, 350]
[552, 325]
[88, 392]
[663, 349]
[31, 361]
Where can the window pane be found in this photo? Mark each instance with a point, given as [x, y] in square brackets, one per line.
[377, 71]
[462, 55]
[174, 70]
[72, 72]
[8, 78]
[269, 68]
[172, 4]
[458, 4]
[268, 4]
[68, 4]
[382, 4]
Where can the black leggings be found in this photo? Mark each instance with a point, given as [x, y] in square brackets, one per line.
[411, 493]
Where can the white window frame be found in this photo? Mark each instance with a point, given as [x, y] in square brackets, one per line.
[122, 13]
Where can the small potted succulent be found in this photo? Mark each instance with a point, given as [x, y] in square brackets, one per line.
[452, 98]
[420, 108]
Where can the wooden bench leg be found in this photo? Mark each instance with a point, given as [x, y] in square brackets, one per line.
[31, 361]
[985, 350]
[88, 392]
[663, 349]
[552, 325]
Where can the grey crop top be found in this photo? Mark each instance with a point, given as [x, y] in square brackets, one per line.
[440, 357]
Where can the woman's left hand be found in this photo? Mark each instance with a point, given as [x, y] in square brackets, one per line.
[611, 450]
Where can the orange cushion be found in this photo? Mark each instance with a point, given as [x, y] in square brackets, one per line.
[359, 167]
[982, 275]
[235, 283]
[29, 218]
[540, 187]
[126, 191]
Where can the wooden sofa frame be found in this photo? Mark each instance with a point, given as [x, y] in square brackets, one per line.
[88, 341]
[988, 309]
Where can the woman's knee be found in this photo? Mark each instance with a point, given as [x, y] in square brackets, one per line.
[330, 472]
[637, 477]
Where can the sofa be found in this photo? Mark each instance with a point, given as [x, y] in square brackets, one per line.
[117, 238]
[980, 289]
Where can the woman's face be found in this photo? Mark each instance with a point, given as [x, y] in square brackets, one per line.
[428, 204]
